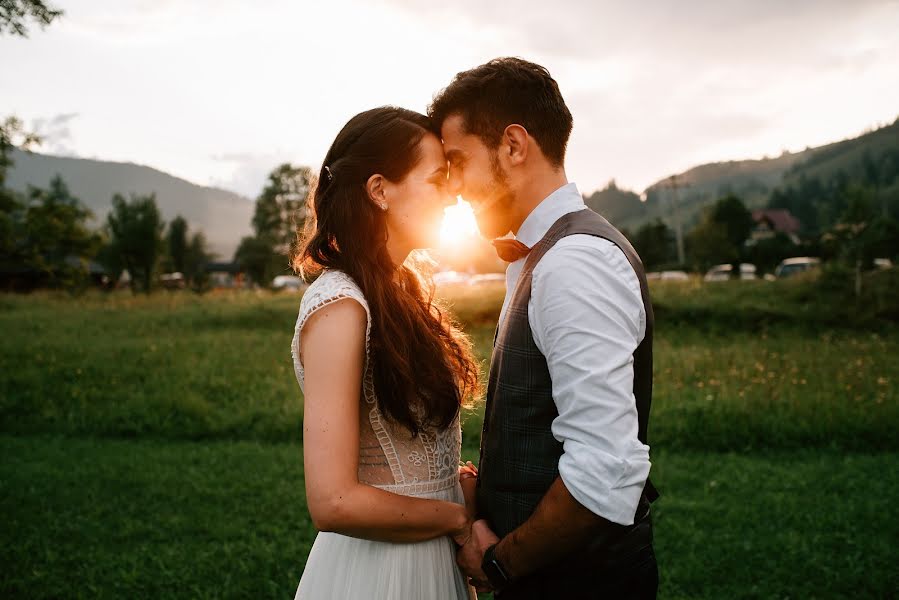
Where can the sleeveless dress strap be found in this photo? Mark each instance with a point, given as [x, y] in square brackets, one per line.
[330, 287]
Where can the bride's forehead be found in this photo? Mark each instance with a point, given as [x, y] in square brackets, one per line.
[431, 149]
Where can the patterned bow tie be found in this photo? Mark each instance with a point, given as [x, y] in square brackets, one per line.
[510, 250]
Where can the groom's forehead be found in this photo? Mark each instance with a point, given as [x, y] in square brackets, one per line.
[457, 140]
[453, 128]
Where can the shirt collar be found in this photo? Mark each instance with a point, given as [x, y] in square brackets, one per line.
[564, 200]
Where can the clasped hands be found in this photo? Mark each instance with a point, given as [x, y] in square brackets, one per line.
[471, 550]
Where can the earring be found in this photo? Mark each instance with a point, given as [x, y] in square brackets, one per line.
[382, 206]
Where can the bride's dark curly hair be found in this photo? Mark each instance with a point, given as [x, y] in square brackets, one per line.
[422, 362]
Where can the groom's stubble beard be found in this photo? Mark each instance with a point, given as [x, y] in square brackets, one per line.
[494, 220]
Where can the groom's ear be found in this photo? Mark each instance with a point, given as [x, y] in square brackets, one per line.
[516, 143]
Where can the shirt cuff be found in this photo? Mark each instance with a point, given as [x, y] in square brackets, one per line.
[608, 485]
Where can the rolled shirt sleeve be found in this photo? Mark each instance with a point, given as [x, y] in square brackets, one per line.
[587, 318]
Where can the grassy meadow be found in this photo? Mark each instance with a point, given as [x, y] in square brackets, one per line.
[152, 445]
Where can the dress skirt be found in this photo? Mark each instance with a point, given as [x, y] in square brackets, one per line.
[340, 567]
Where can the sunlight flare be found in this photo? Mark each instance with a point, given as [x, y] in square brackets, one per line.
[458, 223]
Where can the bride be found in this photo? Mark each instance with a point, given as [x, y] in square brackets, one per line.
[383, 372]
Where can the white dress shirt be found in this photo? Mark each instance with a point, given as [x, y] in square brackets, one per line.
[587, 318]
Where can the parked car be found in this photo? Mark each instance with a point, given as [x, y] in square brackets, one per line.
[668, 276]
[724, 272]
[172, 281]
[290, 283]
[796, 265]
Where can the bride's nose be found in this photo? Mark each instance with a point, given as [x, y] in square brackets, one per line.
[454, 185]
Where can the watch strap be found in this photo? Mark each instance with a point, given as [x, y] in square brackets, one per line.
[494, 570]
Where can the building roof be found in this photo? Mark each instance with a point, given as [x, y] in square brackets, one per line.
[225, 267]
[780, 219]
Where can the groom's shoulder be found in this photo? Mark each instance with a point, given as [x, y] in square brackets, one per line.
[584, 251]
[590, 259]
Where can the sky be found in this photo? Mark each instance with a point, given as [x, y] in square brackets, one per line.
[220, 92]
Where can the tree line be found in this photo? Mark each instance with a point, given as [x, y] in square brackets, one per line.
[46, 240]
[850, 216]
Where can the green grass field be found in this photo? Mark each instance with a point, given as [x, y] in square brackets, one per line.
[151, 446]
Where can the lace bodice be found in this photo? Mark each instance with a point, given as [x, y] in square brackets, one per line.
[389, 457]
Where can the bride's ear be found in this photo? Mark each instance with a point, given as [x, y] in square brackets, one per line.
[376, 188]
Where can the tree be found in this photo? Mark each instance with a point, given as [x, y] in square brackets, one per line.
[708, 244]
[730, 212]
[281, 207]
[15, 13]
[13, 135]
[57, 241]
[176, 244]
[654, 243]
[861, 235]
[880, 239]
[13, 16]
[256, 257]
[721, 235]
[135, 230]
[196, 256]
[279, 212]
[46, 234]
[767, 253]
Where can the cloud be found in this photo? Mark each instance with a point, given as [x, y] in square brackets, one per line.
[656, 85]
[55, 134]
[143, 22]
[246, 172]
[577, 29]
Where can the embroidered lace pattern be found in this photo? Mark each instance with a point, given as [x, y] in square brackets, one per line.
[389, 457]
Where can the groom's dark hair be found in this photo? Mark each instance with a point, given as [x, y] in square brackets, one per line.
[502, 92]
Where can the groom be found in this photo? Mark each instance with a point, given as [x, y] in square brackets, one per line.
[563, 492]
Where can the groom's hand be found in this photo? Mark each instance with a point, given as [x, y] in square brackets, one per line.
[471, 555]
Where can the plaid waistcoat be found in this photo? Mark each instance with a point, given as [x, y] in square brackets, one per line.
[519, 455]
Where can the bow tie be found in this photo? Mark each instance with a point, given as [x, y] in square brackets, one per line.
[510, 250]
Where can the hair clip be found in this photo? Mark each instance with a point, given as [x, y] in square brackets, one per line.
[328, 173]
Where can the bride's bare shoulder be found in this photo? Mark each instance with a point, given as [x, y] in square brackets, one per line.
[340, 318]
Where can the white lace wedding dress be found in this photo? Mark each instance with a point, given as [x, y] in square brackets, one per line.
[343, 567]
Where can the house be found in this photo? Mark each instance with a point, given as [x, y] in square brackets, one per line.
[225, 274]
[771, 221]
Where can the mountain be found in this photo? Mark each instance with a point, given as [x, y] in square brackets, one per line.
[848, 156]
[622, 207]
[222, 215]
[753, 181]
[225, 216]
[697, 188]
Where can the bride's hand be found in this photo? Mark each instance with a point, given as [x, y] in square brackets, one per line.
[468, 477]
[462, 535]
[467, 470]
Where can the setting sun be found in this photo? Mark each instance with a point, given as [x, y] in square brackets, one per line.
[458, 223]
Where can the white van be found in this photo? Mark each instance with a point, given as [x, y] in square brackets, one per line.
[794, 266]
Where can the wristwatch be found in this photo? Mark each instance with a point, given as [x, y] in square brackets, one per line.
[494, 570]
